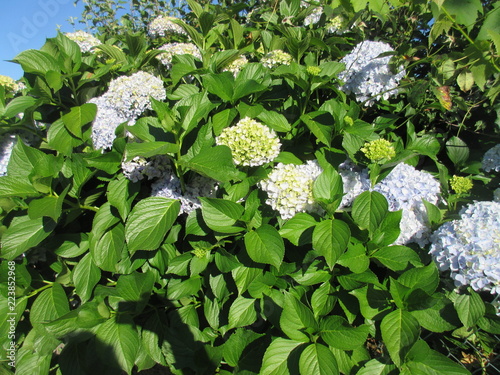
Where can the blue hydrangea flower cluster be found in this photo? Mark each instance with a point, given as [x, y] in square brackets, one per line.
[491, 159]
[126, 99]
[470, 247]
[367, 75]
[355, 180]
[405, 188]
[139, 168]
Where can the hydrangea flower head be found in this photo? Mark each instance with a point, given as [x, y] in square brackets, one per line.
[470, 247]
[169, 186]
[355, 180]
[367, 75]
[379, 150]
[314, 17]
[289, 188]
[236, 66]
[172, 49]
[336, 25]
[491, 159]
[163, 26]
[8, 83]
[313, 70]
[138, 168]
[251, 143]
[85, 41]
[405, 188]
[276, 58]
[461, 185]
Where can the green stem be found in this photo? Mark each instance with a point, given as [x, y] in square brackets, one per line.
[35, 292]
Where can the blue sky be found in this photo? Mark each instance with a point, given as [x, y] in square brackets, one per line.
[25, 24]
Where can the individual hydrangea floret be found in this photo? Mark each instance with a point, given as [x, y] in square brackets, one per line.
[236, 66]
[470, 247]
[355, 180]
[461, 185]
[251, 143]
[276, 58]
[163, 26]
[289, 188]
[314, 17]
[172, 49]
[169, 186]
[379, 150]
[139, 168]
[126, 99]
[491, 159]
[85, 41]
[369, 76]
[405, 188]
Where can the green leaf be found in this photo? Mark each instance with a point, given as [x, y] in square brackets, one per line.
[85, 277]
[34, 61]
[118, 339]
[220, 214]
[215, 162]
[106, 249]
[423, 360]
[330, 239]
[400, 330]
[110, 162]
[220, 85]
[275, 121]
[23, 234]
[457, 151]
[243, 277]
[78, 117]
[318, 359]
[48, 206]
[242, 312]
[369, 209]
[425, 278]
[265, 245]
[355, 258]
[136, 289]
[276, 357]
[18, 105]
[323, 299]
[296, 320]
[397, 257]
[337, 332]
[121, 194]
[322, 132]
[298, 229]
[465, 11]
[328, 189]
[149, 149]
[377, 367]
[236, 344]
[15, 187]
[49, 305]
[149, 222]
[470, 308]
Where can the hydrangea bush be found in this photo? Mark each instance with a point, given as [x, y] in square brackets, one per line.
[254, 188]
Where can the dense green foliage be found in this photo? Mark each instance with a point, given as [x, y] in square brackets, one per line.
[109, 278]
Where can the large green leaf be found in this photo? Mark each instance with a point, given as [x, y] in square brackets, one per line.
[118, 338]
[400, 330]
[215, 162]
[221, 215]
[265, 245]
[149, 222]
[319, 360]
[85, 277]
[149, 149]
[236, 344]
[34, 61]
[49, 305]
[276, 357]
[422, 360]
[220, 85]
[242, 312]
[121, 193]
[23, 234]
[296, 320]
[457, 151]
[328, 189]
[397, 257]
[18, 105]
[425, 278]
[298, 230]
[136, 289]
[377, 367]
[78, 117]
[330, 239]
[337, 332]
[470, 308]
[369, 209]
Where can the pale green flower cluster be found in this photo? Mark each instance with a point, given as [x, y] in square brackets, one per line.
[236, 66]
[8, 83]
[313, 70]
[337, 25]
[461, 185]
[289, 188]
[164, 26]
[84, 40]
[379, 150]
[251, 143]
[276, 58]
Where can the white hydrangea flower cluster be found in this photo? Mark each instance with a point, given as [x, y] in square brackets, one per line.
[172, 49]
[491, 159]
[126, 99]
[405, 188]
[368, 76]
[7, 143]
[470, 247]
[314, 17]
[276, 58]
[289, 188]
[85, 41]
[355, 181]
[251, 143]
[169, 186]
[236, 66]
[138, 168]
[163, 26]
